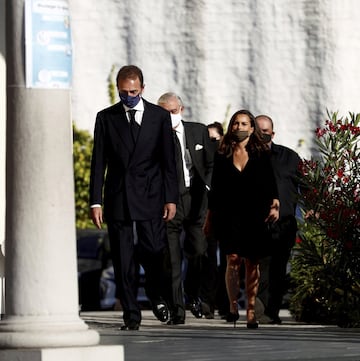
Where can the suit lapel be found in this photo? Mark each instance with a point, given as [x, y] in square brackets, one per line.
[190, 141]
[146, 130]
[121, 126]
[195, 154]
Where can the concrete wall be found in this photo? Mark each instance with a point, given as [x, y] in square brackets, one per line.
[292, 59]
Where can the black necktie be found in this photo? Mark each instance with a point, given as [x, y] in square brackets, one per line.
[134, 127]
[179, 164]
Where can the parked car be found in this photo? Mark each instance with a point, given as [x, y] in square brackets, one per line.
[97, 290]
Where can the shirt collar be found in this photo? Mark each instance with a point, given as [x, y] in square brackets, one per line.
[180, 128]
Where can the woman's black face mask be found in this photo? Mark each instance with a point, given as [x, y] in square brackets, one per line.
[239, 135]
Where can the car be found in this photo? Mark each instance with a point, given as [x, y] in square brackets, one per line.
[96, 283]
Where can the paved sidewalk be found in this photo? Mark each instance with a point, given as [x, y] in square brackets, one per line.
[210, 340]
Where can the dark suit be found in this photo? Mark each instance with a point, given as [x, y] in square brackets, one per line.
[273, 269]
[189, 217]
[139, 180]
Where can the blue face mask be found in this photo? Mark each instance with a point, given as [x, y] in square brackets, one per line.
[128, 100]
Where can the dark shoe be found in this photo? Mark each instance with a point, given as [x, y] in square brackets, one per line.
[130, 325]
[161, 311]
[207, 311]
[176, 321]
[195, 308]
[276, 321]
[210, 316]
[232, 317]
[252, 325]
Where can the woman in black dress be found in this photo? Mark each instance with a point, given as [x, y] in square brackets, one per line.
[243, 200]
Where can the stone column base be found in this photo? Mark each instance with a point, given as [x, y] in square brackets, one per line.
[91, 353]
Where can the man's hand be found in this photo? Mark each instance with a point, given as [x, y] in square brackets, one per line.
[274, 211]
[96, 216]
[169, 211]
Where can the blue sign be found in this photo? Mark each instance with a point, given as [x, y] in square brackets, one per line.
[48, 44]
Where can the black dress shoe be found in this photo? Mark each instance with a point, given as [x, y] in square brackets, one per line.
[195, 308]
[130, 325]
[161, 311]
[176, 321]
[207, 310]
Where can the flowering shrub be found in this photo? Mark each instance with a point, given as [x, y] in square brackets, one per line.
[82, 150]
[326, 262]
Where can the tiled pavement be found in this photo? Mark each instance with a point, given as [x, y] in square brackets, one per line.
[210, 340]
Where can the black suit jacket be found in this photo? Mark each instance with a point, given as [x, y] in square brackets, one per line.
[137, 182]
[285, 164]
[202, 155]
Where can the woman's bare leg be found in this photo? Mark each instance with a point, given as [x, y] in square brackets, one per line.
[252, 276]
[232, 280]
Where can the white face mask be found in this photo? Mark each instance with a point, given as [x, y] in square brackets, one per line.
[175, 119]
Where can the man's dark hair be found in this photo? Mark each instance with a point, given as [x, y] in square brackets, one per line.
[130, 72]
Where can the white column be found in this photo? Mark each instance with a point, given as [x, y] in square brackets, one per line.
[2, 151]
[41, 282]
[41, 319]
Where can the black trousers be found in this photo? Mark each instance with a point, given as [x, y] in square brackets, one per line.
[213, 277]
[134, 243]
[185, 238]
[273, 269]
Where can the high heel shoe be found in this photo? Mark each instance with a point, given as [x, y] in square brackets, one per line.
[251, 320]
[232, 317]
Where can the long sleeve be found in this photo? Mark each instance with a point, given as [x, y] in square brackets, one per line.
[98, 163]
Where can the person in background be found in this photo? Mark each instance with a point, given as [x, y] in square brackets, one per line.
[213, 289]
[243, 200]
[216, 132]
[194, 161]
[133, 163]
[273, 269]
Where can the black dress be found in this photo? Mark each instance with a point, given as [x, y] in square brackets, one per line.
[240, 202]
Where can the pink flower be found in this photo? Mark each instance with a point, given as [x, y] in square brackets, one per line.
[332, 127]
[320, 132]
[340, 173]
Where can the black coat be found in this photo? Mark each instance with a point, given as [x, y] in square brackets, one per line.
[201, 150]
[138, 181]
[240, 202]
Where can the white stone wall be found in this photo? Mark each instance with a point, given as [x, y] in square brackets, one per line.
[291, 59]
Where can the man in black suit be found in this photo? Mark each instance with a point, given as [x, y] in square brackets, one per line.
[133, 163]
[273, 270]
[194, 158]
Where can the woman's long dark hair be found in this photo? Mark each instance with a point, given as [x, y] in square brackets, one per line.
[255, 145]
